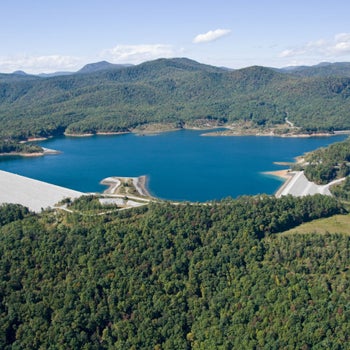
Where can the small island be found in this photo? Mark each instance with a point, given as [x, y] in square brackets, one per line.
[23, 149]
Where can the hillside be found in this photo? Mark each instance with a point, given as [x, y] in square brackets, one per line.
[332, 225]
[99, 66]
[324, 69]
[174, 91]
[174, 277]
[327, 163]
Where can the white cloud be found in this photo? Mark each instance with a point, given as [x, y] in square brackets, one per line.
[138, 53]
[211, 35]
[337, 47]
[53, 63]
[342, 43]
[39, 64]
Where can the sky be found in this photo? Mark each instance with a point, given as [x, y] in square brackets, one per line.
[44, 36]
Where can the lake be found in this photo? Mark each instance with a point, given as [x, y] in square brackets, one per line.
[180, 165]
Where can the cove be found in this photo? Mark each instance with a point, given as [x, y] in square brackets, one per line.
[180, 165]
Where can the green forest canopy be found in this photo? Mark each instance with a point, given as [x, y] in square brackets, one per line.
[214, 276]
[173, 91]
[326, 163]
[174, 277]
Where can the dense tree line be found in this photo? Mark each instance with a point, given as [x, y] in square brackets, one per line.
[327, 163]
[213, 276]
[12, 212]
[342, 190]
[169, 90]
[9, 146]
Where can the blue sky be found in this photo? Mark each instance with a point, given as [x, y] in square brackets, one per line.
[46, 36]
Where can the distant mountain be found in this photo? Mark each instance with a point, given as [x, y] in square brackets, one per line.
[323, 69]
[112, 98]
[17, 76]
[54, 74]
[19, 72]
[99, 66]
[89, 68]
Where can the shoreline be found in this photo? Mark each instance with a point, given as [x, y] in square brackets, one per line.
[46, 151]
[116, 183]
[103, 133]
[282, 174]
[288, 177]
[141, 186]
[231, 133]
[19, 154]
[34, 139]
[208, 130]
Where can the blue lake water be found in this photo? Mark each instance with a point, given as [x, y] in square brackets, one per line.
[180, 165]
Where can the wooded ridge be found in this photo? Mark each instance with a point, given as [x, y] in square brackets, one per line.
[176, 91]
[188, 276]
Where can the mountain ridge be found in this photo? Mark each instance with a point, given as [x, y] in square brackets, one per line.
[105, 65]
[320, 69]
[99, 66]
[177, 90]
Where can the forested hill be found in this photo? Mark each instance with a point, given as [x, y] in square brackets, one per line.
[340, 69]
[169, 90]
[174, 277]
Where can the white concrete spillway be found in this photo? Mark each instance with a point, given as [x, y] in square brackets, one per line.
[298, 185]
[34, 194]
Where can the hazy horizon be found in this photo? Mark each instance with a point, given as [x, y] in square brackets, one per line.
[44, 37]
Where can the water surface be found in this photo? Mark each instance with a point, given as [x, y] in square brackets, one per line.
[180, 165]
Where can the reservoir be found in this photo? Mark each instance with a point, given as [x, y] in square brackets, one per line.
[180, 165]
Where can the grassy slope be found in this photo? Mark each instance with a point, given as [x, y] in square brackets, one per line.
[334, 224]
